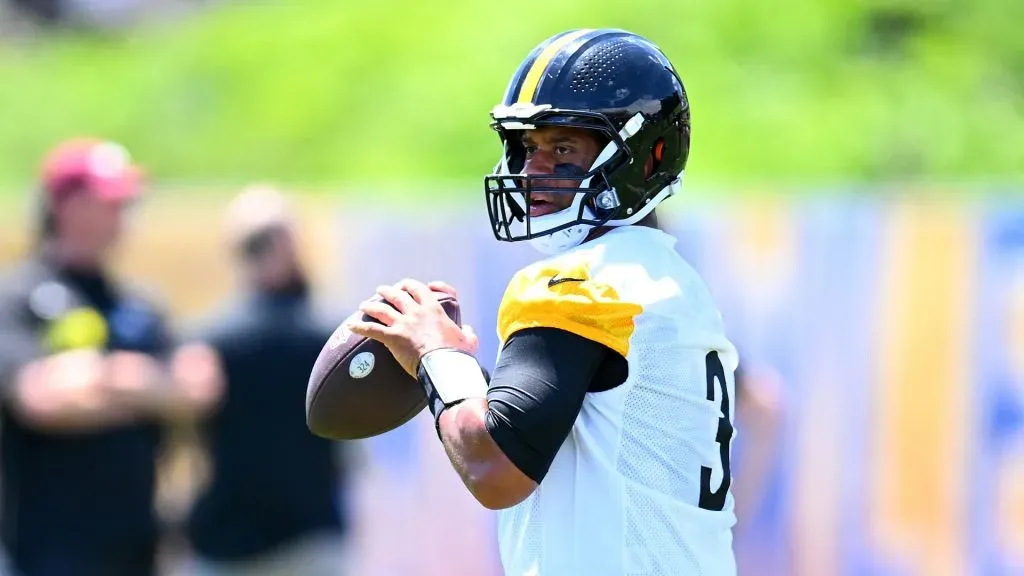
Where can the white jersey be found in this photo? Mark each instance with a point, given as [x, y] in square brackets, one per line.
[640, 486]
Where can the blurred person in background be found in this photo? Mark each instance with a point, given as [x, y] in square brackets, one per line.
[89, 373]
[93, 15]
[38, 12]
[759, 413]
[272, 505]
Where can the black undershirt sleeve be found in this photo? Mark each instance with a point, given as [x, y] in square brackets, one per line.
[538, 388]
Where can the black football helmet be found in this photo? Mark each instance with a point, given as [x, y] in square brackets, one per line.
[611, 81]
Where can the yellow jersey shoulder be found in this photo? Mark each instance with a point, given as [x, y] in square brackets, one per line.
[565, 293]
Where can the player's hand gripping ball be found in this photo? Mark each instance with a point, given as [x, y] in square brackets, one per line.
[363, 383]
[415, 322]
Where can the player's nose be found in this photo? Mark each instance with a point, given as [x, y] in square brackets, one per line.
[542, 164]
[539, 164]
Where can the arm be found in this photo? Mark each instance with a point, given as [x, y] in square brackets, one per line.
[51, 391]
[83, 389]
[759, 409]
[64, 392]
[560, 342]
[199, 373]
[171, 377]
[502, 445]
[186, 386]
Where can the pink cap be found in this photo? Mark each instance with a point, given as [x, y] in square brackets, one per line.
[91, 165]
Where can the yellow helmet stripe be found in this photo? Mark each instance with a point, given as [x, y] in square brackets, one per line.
[533, 77]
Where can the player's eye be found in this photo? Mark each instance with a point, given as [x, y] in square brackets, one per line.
[563, 150]
[530, 150]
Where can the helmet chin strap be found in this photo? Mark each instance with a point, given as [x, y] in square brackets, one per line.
[671, 190]
[558, 242]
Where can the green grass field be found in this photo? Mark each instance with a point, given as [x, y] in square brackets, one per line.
[326, 94]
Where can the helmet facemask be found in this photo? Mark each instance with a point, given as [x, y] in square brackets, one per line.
[510, 193]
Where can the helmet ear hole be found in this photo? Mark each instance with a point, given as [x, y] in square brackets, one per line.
[654, 161]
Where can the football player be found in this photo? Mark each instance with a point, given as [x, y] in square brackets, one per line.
[603, 436]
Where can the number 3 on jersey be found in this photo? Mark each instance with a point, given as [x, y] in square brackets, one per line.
[716, 500]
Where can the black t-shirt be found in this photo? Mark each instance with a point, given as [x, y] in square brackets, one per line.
[272, 480]
[87, 496]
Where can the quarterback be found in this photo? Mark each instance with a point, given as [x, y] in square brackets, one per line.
[603, 435]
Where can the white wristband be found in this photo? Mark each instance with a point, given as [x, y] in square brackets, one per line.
[454, 374]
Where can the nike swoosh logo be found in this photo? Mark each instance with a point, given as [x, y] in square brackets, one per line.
[557, 281]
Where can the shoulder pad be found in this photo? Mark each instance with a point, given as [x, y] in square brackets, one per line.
[563, 294]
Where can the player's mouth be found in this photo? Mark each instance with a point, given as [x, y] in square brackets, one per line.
[541, 206]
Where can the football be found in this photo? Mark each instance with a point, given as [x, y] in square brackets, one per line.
[357, 389]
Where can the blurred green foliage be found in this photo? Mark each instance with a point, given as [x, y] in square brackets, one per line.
[316, 92]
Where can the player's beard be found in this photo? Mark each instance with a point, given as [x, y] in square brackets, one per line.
[295, 285]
